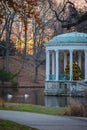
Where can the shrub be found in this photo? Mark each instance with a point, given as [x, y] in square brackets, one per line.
[2, 103]
[8, 76]
[77, 109]
[5, 76]
[76, 71]
[85, 93]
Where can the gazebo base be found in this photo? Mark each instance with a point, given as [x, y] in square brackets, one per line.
[65, 88]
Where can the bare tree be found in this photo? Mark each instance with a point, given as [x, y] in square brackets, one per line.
[69, 15]
[9, 18]
[40, 34]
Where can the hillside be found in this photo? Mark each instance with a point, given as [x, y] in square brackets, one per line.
[26, 75]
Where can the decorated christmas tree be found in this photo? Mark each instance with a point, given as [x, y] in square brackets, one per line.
[76, 71]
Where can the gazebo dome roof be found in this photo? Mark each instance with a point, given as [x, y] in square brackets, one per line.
[68, 39]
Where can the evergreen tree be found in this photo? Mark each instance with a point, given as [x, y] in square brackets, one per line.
[76, 71]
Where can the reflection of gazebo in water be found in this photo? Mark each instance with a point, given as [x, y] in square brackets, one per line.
[66, 64]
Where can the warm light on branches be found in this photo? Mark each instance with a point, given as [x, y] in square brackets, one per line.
[23, 8]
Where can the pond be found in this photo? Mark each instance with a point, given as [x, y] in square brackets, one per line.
[33, 95]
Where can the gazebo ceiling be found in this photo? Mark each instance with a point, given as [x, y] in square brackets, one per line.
[68, 39]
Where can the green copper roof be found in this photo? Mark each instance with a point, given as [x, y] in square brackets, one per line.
[68, 38]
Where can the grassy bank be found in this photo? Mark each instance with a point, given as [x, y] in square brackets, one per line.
[34, 108]
[76, 109]
[10, 125]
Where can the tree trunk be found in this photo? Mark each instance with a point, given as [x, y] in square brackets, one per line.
[25, 44]
[9, 24]
[36, 74]
[7, 52]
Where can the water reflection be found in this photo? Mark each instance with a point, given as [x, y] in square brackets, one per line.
[36, 96]
[24, 95]
[55, 101]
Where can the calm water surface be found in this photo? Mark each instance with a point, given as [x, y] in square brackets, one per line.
[36, 96]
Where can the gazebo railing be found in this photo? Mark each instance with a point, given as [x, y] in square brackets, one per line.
[61, 77]
[52, 77]
[64, 77]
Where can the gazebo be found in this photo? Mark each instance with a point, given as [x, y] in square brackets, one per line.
[62, 51]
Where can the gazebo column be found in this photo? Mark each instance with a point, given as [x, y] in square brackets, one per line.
[53, 64]
[65, 60]
[85, 65]
[47, 64]
[71, 64]
[79, 59]
[57, 65]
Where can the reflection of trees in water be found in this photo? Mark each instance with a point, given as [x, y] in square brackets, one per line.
[55, 101]
[63, 101]
[78, 100]
[36, 96]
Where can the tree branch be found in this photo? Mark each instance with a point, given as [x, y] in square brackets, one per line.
[74, 17]
[78, 21]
